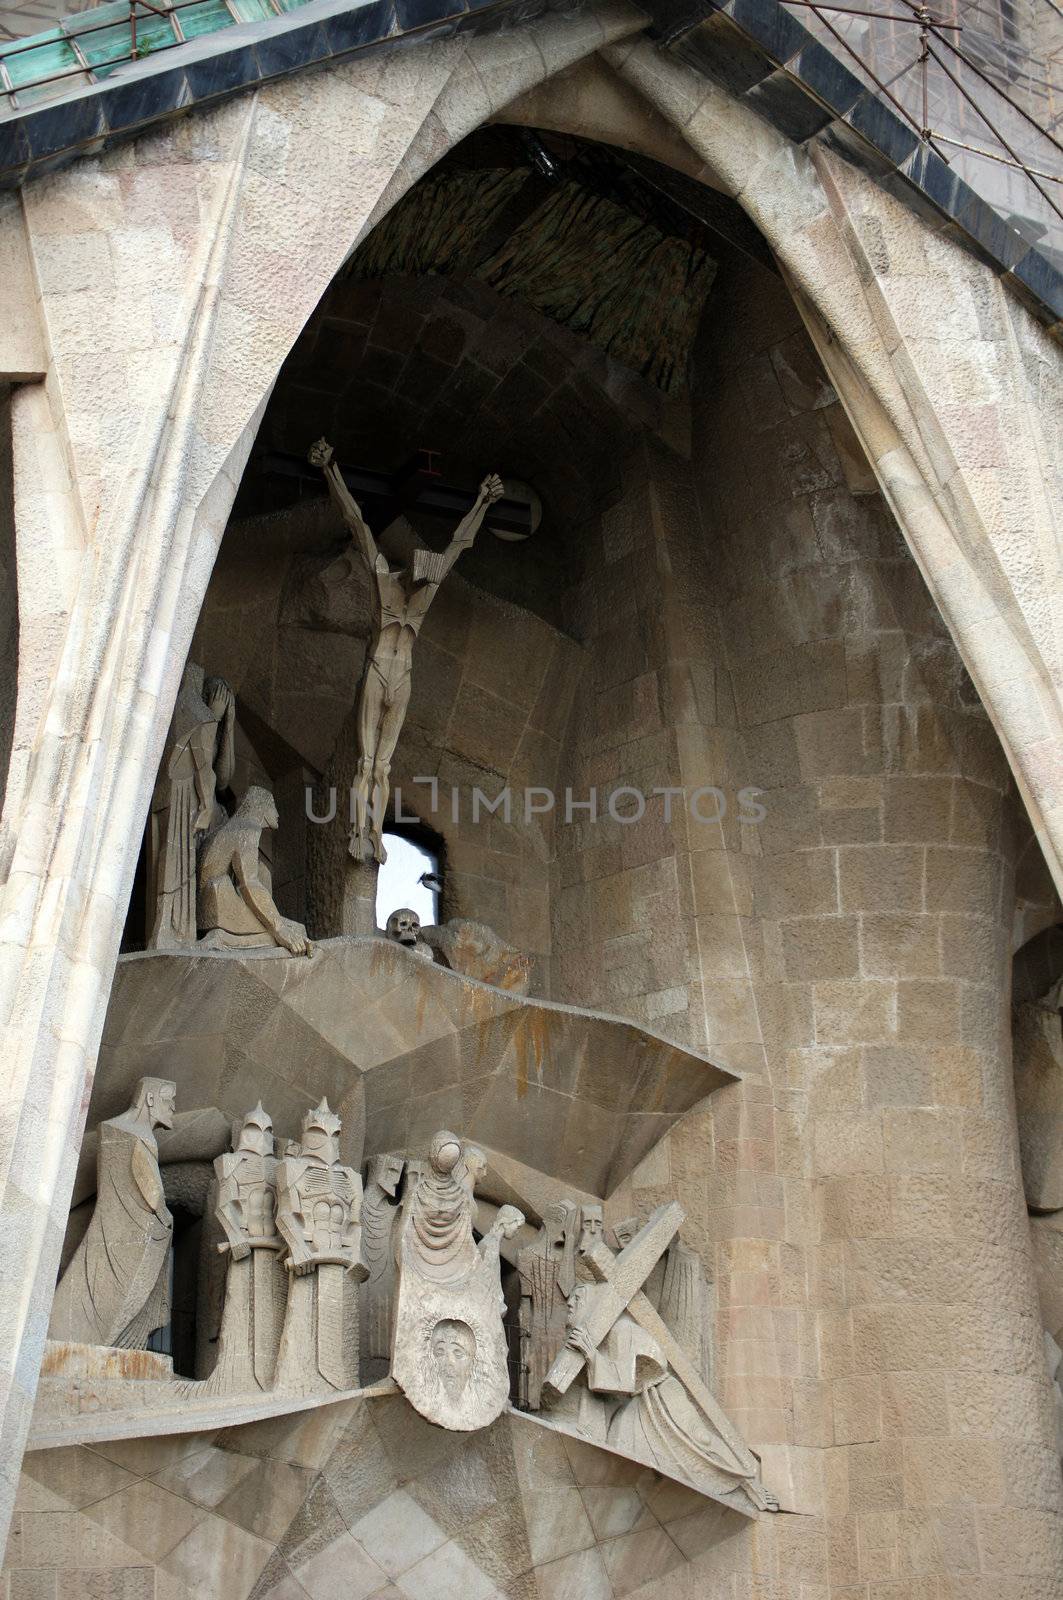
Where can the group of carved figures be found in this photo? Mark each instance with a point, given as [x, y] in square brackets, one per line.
[289, 1212]
[328, 1287]
[205, 870]
[208, 883]
[205, 873]
[612, 1345]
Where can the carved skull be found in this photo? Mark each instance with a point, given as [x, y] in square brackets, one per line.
[403, 926]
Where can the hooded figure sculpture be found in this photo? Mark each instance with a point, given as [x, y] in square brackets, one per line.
[198, 761]
[449, 1353]
[116, 1290]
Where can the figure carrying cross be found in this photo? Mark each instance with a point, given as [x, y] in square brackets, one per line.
[401, 599]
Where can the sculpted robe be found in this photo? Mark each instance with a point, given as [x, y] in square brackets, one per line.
[660, 1424]
[184, 795]
[449, 1350]
[116, 1290]
[379, 1212]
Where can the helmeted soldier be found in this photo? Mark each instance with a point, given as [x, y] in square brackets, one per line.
[256, 1284]
[318, 1212]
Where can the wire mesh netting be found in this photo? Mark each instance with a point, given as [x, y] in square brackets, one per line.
[982, 80]
[88, 46]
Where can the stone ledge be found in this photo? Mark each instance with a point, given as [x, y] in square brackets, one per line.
[401, 1048]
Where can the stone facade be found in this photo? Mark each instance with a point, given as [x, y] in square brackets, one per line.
[830, 574]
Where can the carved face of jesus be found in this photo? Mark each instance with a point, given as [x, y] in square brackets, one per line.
[576, 1303]
[453, 1350]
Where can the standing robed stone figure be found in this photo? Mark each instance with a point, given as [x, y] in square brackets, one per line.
[198, 761]
[116, 1290]
[401, 599]
[449, 1347]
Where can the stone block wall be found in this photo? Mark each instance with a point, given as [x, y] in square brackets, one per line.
[878, 1336]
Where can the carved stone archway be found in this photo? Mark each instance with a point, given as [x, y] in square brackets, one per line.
[201, 257]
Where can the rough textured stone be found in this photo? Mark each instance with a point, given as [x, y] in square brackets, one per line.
[776, 634]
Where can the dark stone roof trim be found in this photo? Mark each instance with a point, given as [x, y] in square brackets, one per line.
[755, 48]
[96, 117]
[715, 40]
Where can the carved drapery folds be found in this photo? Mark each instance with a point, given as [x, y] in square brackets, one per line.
[637, 1389]
[236, 909]
[197, 762]
[116, 1288]
[449, 1351]
[379, 1210]
[204, 866]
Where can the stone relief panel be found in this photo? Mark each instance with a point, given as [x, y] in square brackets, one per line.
[464, 1308]
[431, 1287]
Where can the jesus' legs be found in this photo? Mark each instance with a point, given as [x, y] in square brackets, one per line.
[387, 739]
[371, 702]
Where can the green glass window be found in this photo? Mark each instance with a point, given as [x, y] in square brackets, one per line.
[209, 17]
[254, 10]
[104, 47]
[53, 53]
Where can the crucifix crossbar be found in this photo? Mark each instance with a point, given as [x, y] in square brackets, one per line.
[418, 486]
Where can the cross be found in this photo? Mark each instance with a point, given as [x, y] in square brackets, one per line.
[417, 486]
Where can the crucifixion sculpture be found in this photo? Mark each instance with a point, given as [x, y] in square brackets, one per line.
[401, 598]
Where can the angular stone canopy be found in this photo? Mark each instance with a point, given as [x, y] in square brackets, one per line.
[400, 1048]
